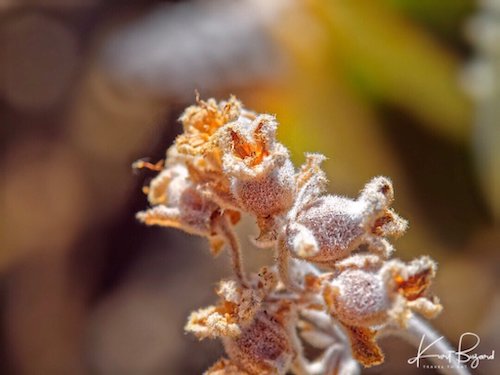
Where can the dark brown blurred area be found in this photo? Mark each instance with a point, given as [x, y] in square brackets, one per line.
[89, 86]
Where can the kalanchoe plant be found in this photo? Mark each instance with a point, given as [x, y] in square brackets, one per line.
[333, 286]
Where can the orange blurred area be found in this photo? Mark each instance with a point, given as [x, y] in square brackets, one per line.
[87, 87]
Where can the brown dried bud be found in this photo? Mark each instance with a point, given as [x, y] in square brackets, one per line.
[190, 211]
[166, 188]
[264, 347]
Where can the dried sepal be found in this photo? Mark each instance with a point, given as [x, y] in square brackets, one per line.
[236, 309]
[414, 279]
[212, 322]
[311, 182]
[364, 347]
[244, 302]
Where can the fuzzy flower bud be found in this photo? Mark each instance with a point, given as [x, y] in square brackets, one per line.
[180, 205]
[261, 173]
[264, 347]
[330, 227]
[368, 293]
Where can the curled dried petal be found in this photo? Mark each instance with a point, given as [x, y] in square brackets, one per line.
[166, 188]
[212, 322]
[202, 120]
[415, 278]
[364, 347]
[236, 309]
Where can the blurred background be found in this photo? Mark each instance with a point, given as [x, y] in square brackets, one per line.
[404, 88]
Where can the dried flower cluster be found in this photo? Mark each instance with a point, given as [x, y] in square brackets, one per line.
[333, 286]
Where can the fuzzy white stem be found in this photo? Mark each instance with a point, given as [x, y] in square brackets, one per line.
[420, 334]
[233, 243]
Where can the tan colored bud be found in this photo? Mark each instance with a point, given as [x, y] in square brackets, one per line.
[330, 227]
[265, 346]
[365, 294]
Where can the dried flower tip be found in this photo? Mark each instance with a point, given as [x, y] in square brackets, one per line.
[212, 322]
[311, 181]
[415, 278]
[264, 347]
[236, 310]
[250, 148]
[378, 193]
[143, 164]
[202, 120]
